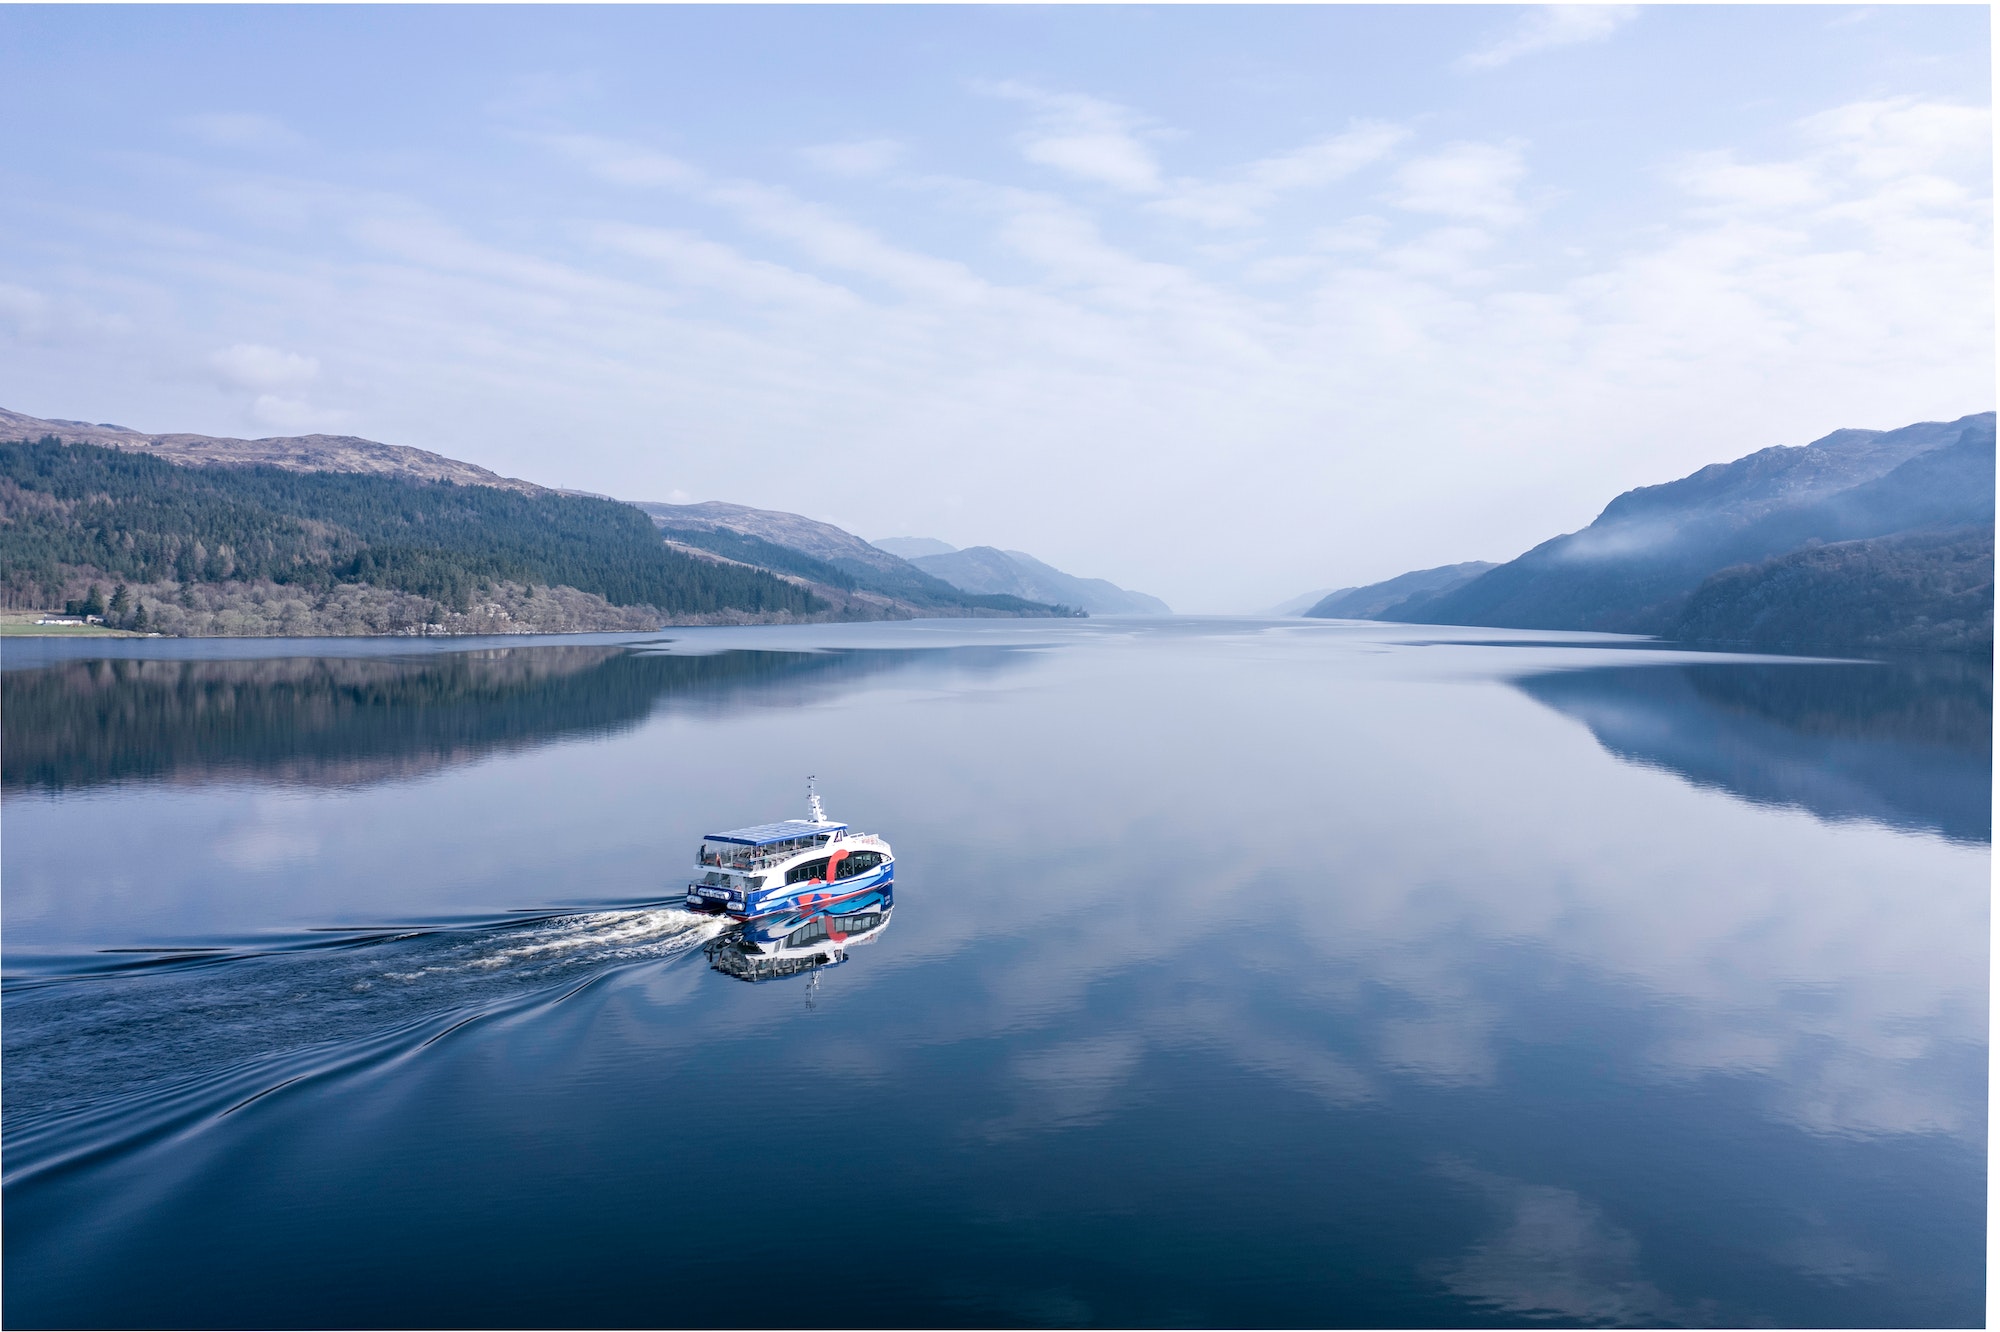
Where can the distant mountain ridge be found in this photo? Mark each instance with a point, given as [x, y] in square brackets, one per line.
[909, 548]
[294, 453]
[831, 558]
[992, 571]
[1634, 567]
[1878, 538]
[1368, 603]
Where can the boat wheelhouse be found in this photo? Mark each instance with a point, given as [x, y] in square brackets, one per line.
[792, 865]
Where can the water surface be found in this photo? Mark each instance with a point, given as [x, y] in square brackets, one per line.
[1243, 973]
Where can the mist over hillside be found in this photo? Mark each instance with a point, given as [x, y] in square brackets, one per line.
[1865, 538]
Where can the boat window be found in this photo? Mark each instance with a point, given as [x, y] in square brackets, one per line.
[812, 869]
[860, 862]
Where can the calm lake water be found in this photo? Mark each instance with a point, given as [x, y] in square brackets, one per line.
[1241, 973]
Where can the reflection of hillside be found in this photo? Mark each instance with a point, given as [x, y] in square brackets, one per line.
[340, 721]
[1905, 743]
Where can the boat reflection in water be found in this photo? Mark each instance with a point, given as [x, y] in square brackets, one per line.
[808, 939]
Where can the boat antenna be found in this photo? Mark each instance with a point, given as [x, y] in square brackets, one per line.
[814, 813]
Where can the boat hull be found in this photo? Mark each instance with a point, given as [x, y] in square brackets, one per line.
[810, 895]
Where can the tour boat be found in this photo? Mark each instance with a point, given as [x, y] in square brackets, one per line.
[791, 943]
[810, 865]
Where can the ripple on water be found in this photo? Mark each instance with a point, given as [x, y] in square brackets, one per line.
[99, 1058]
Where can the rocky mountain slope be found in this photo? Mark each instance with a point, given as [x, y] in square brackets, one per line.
[294, 453]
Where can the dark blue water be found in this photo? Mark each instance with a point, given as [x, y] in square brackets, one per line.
[1240, 974]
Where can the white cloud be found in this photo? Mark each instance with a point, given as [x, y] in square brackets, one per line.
[26, 309]
[861, 157]
[1547, 27]
[248, 365]
[240, 129]
[288, 414]
[622, 163]
[699, 262]
[1475, 181]
[1761, 186]
[1241, 201]
[1085, 137]
[1898, 136]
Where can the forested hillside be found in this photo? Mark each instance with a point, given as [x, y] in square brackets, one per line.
[75, 513]
[1932, 591]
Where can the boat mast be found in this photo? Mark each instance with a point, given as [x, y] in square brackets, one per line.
[814, 813]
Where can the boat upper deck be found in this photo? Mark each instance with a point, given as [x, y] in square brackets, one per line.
[766, 844]
[785, 830]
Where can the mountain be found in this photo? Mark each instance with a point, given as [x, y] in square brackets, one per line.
[831, 558]
[205, 537]
[1303, 602]
[1369, 603]
[985, 569]
[909, 548]
[260, 549]
[1635, 568]
[293, 453]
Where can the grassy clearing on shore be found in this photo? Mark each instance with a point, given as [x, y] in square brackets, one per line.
[21, 624]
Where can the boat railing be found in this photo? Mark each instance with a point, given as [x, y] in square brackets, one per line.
[754, 860]
[745, 862]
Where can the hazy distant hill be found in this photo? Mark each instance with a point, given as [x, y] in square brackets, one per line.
[909, 548]
[1635, 568]
[1863, 539]
[986, 569]
[294, 453]
[1304, 602]
[1369, 603]
[829, 556]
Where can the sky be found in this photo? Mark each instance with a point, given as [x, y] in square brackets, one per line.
[1221, 303]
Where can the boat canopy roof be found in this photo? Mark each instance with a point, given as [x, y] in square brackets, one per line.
[766, 833]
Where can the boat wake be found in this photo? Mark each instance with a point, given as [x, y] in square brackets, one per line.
[146, 1044]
